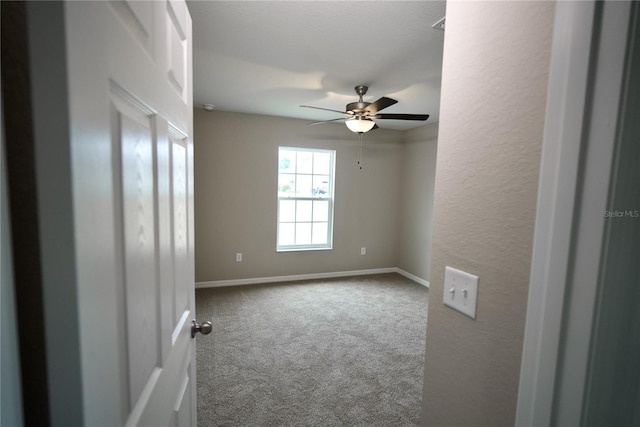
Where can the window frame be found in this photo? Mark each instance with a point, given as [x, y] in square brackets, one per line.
[331, 202]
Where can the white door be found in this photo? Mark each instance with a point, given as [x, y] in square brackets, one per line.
[130, 98]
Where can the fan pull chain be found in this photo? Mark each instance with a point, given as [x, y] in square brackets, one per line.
[360, 153]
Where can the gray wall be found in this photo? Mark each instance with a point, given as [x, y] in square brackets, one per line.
[235, 196]
[418, 166]
[494, 85]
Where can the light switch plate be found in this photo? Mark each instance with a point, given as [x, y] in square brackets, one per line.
[461, 291]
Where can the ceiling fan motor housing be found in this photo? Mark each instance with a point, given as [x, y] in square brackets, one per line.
[357, 107]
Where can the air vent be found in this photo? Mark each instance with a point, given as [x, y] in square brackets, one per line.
[439, 25]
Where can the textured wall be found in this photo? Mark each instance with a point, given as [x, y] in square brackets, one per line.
[236, 188]
[496, 58]
[419, 168]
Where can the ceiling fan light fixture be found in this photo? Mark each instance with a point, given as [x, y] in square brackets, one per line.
[359, 124]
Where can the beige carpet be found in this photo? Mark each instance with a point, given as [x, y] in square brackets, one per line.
[334, 352]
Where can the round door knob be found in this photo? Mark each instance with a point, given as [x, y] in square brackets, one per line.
[204, 328]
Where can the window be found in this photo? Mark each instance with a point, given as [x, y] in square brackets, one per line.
[305, 198]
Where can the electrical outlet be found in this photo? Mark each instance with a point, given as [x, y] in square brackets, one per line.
[363, 251]
[461, 291]
[239, 257]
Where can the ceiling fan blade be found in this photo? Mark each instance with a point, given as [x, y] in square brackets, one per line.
[380, 104]
[421, 117]
[327, 121]
[325, 109]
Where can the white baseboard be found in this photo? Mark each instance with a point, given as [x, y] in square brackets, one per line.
[413, 277]
[296, 277]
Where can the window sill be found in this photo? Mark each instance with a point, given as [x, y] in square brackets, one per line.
[302, 249]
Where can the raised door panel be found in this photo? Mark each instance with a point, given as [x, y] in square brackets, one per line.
[164, 237]
[177, 27]
[137, 17]
[180, 225]
[182, 408]
[139, 253]
[133, 139]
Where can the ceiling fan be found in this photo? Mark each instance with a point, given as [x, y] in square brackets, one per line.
[358, 115]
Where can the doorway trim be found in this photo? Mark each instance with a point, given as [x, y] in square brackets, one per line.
[584, 92]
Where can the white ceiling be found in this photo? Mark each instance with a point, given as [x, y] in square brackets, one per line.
[269, 57]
